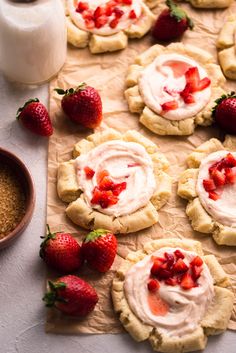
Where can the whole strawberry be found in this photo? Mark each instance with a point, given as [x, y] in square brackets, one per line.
[224, 112]
[171, 23]
[61, 252]
[71, 295]
[82, 105]
[34, 116]
[99, 249]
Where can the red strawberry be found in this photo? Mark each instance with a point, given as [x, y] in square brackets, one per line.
[187, 282]
[71, 295]
[118, 188]
[103, 198]
[196, 272]
[114, 22]
[213, 195]
[34, 116]
[132, 15]
[209, 184]
[99, 249]
[180, 266]
[224, 113]
[230, 176]
[197, 261]
[219, 178]
[89, 172]
[170, 259]
[171, 23]
[82, 6]
[179, 254]
[171, 105]
[229, 161]
[82, 105]
[153, 285]
[61, 251]
[171, 281]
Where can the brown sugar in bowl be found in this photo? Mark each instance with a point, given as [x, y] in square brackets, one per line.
[17, 197]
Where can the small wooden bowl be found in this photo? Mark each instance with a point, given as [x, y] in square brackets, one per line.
[26, 182]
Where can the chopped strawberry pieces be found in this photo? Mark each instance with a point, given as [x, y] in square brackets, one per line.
[82, 6]
[89, 172]
[230, 176]
[196, 272]
[170, 259]
[180, 266]
[192, 78]
[204, 83]
[114, 22]
[229, 161]
[106, 184]
[219, 178]
[171, 105]
[127, 2]
[197, 261]
[209, 184]
[171, 281]
[101, 21]
[131, 165]
[187, 282]
[102, 174]
[100, 11]
[132, 15]
[153, 285]
[118, 12]
[118, 188]
[88, 15]
[179, 254]
[213, 195]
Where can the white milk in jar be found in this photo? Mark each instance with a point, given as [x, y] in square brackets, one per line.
[33, 39]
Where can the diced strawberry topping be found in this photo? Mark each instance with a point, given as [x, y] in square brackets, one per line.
[179, 254]
[89, 172]
[153, 285]
[114, 22]
[164, 273]
[131, 165]
[106, 184]
[180, 266]
[82, 6]
[132, 15]
[209, 184]
[89, 24]
[118, 188]
[156, 267]
[187, 282]
[127, 2]
[219, 178]
[229, 161]
[196, 272]
[213, 195]
[170, 259]
[197, 261]
[118, 12]
[192, 78]
[88, 15]
[103, 198]
[171, 105]
[171, 281]
[100, 11]
[101, 21]
[102, 174]
[230, 176]
[204, 83]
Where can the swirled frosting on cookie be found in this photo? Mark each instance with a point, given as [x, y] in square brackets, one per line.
[128, 168]
[180, 310]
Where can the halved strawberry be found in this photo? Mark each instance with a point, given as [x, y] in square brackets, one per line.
[179, 254]
[171, 105]
[187, 282]
[153, 285]
[213, 195]
[180, 266]
[209, 184]
[218, 177]
[171, 281]
[89, 172]
[230, 176]
[197, 261]
[132, 15]
[196, 272]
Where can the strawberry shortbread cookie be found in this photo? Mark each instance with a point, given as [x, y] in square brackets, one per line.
[173, 88]
[209, 185]
[106, 25]
[116, 182]
[172, 295]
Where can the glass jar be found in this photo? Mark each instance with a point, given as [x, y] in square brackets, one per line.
[33, 39]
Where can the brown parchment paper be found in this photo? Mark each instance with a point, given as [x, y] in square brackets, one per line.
[106, 73]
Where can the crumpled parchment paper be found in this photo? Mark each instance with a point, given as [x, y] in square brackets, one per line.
[106, 72]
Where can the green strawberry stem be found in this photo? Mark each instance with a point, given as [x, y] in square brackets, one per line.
[26, 103]
[221, 99]
[46, 238]
[92, 236]
[52, 295]
[178, 13]
[69, 91]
